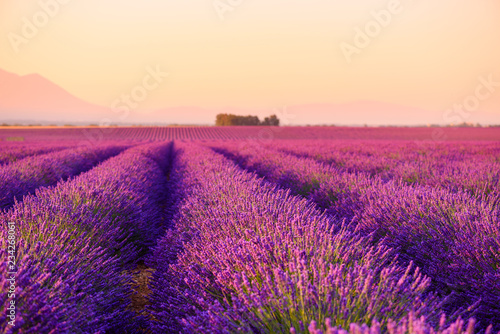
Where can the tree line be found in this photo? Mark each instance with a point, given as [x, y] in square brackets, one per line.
[230, 119]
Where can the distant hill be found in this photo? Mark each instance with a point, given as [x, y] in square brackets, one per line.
[34, 99]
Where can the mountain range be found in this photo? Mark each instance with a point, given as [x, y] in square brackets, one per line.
[35, 99]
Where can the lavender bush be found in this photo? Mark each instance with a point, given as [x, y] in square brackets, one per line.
[25, 176]
[288, 236]
[452, 236]
[244, 256]
[14, 152]
[469, 166]
[77, 242]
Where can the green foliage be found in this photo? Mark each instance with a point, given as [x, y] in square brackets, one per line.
[231, 120]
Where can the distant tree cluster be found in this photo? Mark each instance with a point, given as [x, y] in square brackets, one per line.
[230, 119]
[271, 121]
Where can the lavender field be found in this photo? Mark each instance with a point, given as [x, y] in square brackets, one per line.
[215, 230]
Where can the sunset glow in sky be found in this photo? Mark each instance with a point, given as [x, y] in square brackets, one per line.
[259, 54]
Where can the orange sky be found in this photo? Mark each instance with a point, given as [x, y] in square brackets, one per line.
[259, 54]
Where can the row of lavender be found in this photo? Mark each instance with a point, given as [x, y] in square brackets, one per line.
[245, 256]
[452, 236]
[78, 241]
[23, 177]
[469, 166]
[258, 133]
[13, 152]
